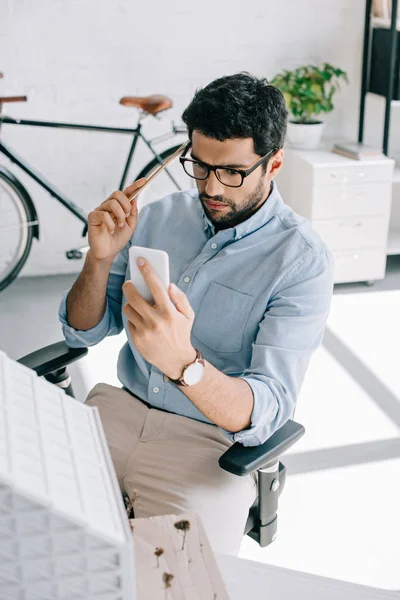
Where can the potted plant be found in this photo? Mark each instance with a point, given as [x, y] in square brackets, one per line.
[308, 91]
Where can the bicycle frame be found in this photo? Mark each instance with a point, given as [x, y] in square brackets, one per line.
[48, 186]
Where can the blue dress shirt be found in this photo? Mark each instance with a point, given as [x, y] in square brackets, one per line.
[261, 292]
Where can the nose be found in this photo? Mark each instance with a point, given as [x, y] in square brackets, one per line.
[213, 186]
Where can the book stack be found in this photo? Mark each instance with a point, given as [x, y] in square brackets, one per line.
[356, 151]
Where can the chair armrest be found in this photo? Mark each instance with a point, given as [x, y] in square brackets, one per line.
[242, 460]
[52, 358]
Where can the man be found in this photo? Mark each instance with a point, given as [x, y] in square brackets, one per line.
[253, 284]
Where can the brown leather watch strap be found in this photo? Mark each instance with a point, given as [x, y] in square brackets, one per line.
[199, 358]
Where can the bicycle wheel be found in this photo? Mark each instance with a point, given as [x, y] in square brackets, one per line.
[172, 179]
[16, 229]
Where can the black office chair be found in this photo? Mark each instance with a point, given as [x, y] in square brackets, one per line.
[51, 363]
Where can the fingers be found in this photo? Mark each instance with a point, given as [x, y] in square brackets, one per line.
[181, 302]
[131, 189]
[101, 217]
[120, 199]
[156, 287]
[133, 316]
[142, 307]
[132, 218]
[118, 206]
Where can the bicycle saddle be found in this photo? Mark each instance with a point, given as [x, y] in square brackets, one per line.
[13, 99]
[150, 104]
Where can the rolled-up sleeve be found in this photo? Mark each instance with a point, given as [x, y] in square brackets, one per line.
[111, 322]
[290, 332]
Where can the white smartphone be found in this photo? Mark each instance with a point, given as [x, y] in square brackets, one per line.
[158, 259]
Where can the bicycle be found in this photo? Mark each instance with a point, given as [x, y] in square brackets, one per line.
[17, 209]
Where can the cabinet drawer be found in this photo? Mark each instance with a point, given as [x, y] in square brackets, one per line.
[354, 232]
[356, 173]
[335, 201]
[363, 265]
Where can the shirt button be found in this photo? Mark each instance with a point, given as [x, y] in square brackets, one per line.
[186, 279]
[156, 390]
[213, 246]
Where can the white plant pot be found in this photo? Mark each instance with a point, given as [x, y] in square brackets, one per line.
[304, 136]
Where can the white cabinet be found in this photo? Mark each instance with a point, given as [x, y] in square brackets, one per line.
[348, 203]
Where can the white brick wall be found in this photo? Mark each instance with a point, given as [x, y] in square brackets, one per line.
[76, 58]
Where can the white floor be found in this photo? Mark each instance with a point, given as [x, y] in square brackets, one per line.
[339, 514]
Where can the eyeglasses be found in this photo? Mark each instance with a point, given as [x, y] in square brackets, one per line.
[229, 177]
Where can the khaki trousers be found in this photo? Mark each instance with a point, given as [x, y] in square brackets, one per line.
[168, 464]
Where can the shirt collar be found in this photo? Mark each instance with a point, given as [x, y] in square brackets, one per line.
[260, 218]
[207, 222]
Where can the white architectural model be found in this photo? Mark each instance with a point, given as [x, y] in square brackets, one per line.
[64, 533]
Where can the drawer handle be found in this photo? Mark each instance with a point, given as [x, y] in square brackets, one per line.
[345, 191]
[354, 225]
[347, 257]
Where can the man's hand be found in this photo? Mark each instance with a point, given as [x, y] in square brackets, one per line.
[112, 224]
[161, 332]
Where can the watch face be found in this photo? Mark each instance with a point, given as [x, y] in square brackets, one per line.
[193, 374]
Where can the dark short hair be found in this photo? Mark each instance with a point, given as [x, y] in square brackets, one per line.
[239, 106]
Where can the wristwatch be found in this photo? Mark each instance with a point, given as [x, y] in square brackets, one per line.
[192, 373]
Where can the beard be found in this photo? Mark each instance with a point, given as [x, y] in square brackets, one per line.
[236, 214]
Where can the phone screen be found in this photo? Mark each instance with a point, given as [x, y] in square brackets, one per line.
[159, 261]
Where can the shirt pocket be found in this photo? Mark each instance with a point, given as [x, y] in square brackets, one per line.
[221, 320]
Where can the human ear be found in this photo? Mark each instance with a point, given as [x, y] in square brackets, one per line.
[275, 164]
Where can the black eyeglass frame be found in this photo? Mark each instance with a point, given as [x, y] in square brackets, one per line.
[246, 173]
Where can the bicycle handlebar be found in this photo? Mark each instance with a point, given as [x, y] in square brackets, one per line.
[4, 99]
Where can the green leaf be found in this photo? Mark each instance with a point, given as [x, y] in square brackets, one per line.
[308, 90]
